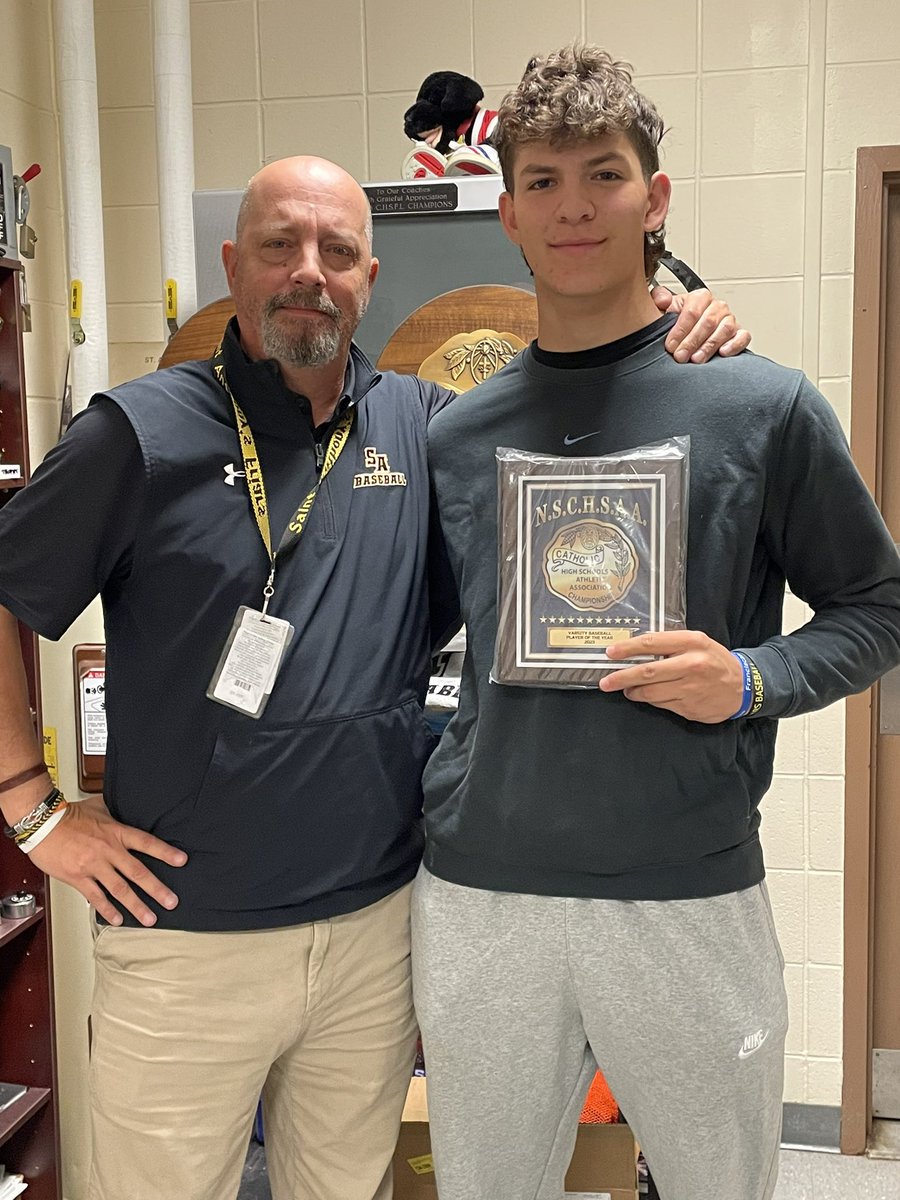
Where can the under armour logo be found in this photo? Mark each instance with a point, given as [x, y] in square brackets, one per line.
[231, 474]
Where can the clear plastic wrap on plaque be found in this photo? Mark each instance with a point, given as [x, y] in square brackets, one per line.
[591, 551]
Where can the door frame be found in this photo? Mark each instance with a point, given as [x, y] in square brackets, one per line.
[877, 171]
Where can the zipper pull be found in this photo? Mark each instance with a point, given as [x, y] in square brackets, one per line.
[320, 456]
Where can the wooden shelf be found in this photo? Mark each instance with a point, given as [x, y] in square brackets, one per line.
[14, 1117]
[12, 929]
[29, 1127]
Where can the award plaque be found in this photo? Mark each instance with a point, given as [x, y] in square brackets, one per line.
[591, 553]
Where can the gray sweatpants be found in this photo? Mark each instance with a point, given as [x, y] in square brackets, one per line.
[681, 1002]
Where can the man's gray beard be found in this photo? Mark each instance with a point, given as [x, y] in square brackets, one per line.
[310, 348]
[313, 347]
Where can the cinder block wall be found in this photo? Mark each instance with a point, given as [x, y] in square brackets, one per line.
[766, 105]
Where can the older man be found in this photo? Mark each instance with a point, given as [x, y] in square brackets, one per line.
[257, 526]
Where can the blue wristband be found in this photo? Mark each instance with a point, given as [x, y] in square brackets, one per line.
[747, 697]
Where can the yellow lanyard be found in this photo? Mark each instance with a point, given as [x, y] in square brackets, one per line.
[256, 488]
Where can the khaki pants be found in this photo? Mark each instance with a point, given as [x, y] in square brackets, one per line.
[190, 1028]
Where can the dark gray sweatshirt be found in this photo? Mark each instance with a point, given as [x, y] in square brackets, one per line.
[580, 793]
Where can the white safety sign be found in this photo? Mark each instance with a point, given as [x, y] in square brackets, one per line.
[93, 711]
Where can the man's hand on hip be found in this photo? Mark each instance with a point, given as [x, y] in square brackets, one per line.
[695, 677]
[91, 852]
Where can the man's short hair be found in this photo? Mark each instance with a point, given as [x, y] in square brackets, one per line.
[574, 95]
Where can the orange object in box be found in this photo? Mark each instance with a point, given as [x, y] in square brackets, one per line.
[600, 1106]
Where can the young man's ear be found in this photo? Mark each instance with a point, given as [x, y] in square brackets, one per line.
[659, 194]
[508, 217]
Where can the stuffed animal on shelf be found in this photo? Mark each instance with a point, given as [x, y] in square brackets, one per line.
[450, 129]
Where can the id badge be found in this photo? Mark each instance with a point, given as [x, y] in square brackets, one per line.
[248, 666]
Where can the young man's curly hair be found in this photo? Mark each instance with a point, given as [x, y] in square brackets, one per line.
[574, 95]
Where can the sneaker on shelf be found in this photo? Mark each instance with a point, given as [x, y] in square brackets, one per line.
[473, 160]
[423, 163]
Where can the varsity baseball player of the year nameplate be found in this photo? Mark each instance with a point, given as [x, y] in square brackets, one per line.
[592, 553]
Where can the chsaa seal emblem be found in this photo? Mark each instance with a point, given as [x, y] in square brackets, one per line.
[592, 565]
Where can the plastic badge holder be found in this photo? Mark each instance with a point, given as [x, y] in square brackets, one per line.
[592, 551]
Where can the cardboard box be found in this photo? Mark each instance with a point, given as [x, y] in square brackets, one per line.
[413, 1167]
[603, 1165]
[604, 1162]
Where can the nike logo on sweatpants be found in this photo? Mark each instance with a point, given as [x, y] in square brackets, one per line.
[752, 1043]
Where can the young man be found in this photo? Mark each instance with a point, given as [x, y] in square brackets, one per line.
[269, 853]
[592, 887]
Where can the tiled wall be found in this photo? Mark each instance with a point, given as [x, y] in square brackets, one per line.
[767, 104]
[803, 839]
[130, 203]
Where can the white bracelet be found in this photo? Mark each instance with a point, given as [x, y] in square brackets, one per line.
[39, 834]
